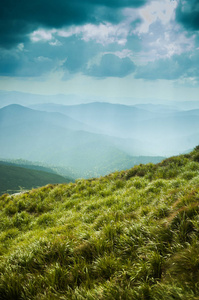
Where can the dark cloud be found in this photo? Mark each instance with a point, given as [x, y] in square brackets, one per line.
[118, 3]
[19, 18]
[178, 66]
[39, 58]
[112, 66]
[18, 63]
[9, 64]
[187, 13]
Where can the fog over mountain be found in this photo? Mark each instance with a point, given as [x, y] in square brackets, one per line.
[58, 139]
[160, 129]
[95, 138]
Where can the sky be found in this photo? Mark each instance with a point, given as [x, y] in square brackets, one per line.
[104, 49]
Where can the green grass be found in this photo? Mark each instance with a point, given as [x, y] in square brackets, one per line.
[14, 178]
[129, 235]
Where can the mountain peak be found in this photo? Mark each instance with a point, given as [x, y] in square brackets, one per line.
[14, 107]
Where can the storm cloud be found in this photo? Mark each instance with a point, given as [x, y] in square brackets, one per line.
[187, 14]
[122, 39]
[19, 18]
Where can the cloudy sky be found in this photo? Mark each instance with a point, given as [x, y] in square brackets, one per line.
[130, 49]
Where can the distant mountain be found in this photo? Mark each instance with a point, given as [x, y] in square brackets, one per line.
[14, 178]
[192, 112]
[153, 127]
[158, 108]
[14, 115]
[27, 99]
[99, 112]
[10, 97]
[96, 138]
[56, 139]
[187, 105]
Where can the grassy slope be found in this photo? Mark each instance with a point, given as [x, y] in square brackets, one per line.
[129, 235]
[12, 178]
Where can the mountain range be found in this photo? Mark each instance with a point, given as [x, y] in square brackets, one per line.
[96, 138]
[58, 139]
[155, 129]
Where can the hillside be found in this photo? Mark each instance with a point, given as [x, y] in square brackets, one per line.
[14, 178]
[128, 235]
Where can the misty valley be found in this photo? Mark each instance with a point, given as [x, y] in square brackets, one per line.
[91, 140]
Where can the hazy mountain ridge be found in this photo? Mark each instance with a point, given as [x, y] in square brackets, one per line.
[46, 137]
[28, 99]
[96, 138]
[129, 235]
[16, 114]
[152, 127]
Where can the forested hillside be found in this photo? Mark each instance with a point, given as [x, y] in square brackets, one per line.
[14, 178]
[128, 235]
